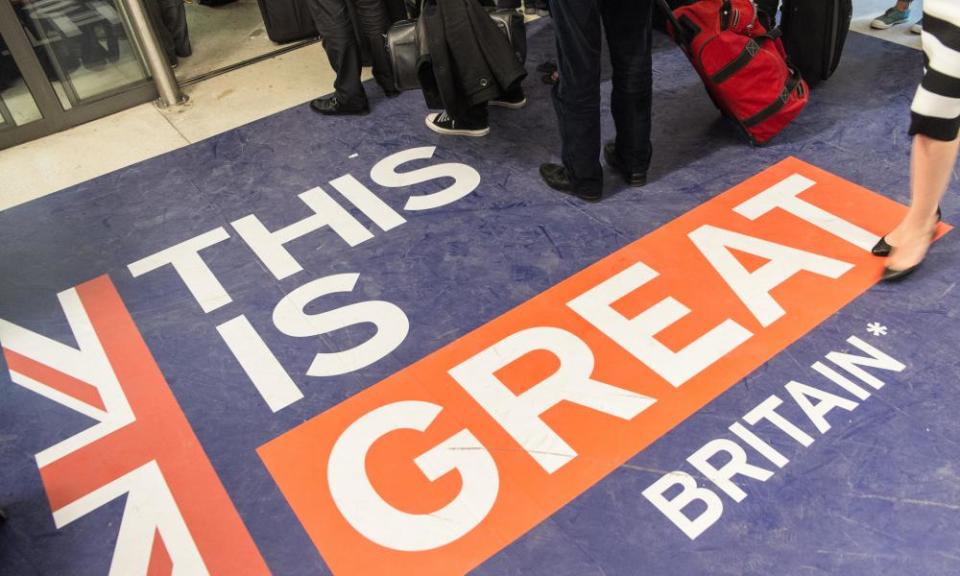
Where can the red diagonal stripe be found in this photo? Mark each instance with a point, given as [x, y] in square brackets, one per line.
[55, 379]
[160, 562]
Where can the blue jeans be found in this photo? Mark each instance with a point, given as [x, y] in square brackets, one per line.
[576, 97]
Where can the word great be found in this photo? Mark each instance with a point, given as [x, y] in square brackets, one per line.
[437, 467]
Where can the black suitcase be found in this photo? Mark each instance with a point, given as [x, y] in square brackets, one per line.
[814, 34]
[287, 20]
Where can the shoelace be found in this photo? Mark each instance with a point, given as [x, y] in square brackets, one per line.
[443, 118]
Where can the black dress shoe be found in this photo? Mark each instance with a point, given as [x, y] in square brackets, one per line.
[332, 106]
[555, 176]
[547, 67]
[635, 179]
[891, 275]
[881, 248]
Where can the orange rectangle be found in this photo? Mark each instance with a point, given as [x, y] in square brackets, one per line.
[545, 400]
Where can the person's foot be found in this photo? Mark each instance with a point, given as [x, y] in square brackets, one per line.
[551, 79]
[918, 27]
[891, 17]
[547, 67]
[391, 93]
[899, 235]
[907, 257]
[635, 179]
[556, 177]
[442, 123]
[909, 247]
[511, 101]
[332, 106]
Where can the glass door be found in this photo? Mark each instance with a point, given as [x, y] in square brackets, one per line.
[65, 62]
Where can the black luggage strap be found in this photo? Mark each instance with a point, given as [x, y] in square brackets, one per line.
[684, 29]
[749, 51]
[792, 83]
[726, 11]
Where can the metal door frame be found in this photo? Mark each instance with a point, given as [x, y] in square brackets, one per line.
[54, 117]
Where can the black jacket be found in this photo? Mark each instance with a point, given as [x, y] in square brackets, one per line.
[468, 60]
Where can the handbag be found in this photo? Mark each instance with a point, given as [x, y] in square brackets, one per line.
[403, 48]
[406, 41]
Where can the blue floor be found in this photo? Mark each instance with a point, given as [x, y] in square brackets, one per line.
[878, 495]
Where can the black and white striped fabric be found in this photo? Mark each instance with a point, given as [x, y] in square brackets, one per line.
[936, 106]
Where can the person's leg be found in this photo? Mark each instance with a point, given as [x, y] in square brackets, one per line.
[340, 43]
[373, 21]
[175, 20]
[155, 13]
[896, 14]
[931, 167]
[576, 96]
[629, 30]
[935, 123]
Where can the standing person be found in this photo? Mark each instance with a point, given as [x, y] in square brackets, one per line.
[576, 96]
[935, 125]
[170, 21]
[469, 65]
[333, 20]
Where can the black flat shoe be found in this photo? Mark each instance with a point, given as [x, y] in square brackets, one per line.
[555, 176]
[635, 179]
[332, 106]
[881, 248]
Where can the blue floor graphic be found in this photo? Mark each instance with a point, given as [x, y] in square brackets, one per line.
[878, 494]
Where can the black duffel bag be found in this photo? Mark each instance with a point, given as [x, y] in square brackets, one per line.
[404, 45]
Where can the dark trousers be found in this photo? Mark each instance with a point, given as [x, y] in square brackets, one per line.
[576, 97]
[334, 22]
[170, 22]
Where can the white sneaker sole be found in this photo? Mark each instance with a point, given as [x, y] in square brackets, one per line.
[447, 132]
[509, 105]
[881, 25]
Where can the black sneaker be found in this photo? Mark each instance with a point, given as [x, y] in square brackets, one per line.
[442, 123]
[512, 102]
[635, 179]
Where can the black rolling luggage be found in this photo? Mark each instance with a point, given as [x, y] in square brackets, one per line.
[814, 33]
[287, 20]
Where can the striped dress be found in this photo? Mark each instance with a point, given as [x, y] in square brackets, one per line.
[936, 106]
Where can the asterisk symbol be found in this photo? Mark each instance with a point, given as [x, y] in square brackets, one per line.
[877, 329]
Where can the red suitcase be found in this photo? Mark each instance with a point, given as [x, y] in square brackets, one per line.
[743, 65]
